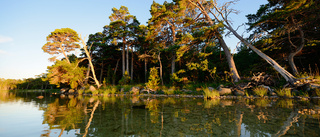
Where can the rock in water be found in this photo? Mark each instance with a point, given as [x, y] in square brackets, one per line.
[135, 90]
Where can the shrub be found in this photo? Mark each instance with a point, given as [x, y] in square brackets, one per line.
[125, 79]
[284, 92]
[169, 91]
[154, 79]
[210, 94]
[260, 91]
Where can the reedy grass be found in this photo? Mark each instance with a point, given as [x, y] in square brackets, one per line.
[210, 94]
[284, 93]
[260, 91]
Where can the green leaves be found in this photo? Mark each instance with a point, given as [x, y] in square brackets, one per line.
[63, 72]
[154, 79]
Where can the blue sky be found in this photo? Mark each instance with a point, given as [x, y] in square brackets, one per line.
[25, 24]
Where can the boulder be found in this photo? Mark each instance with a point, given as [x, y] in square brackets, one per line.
[135, 90]
[238, 93]
[71, 91]
[211, 88]
[223, 91]
[92, 88]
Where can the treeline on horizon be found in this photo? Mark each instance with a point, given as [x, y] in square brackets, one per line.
[184, 45]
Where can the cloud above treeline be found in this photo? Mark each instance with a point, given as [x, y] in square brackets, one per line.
[4, 39]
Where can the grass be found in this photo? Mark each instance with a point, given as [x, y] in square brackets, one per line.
[169, 91]
[110, 90]
[210, 94]
[284, 93]
[260, 91]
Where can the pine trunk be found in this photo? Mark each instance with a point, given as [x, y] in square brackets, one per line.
[123, 58]
[293, 54]
[232, 66]
[131, 63]
[159, 58]
[145, 68]
[127, 61]
[173, 62]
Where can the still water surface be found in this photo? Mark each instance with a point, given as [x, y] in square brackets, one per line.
[23, 114]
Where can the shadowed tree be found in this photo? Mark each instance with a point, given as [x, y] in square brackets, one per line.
[220, 14]
[120, 28]
[62, 41]
[200, 10]
[290, 26]
[166, 22]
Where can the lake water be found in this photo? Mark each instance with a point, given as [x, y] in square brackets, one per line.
[25, 115]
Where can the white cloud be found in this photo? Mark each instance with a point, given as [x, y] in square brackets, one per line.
[2, 52]
[4, 39]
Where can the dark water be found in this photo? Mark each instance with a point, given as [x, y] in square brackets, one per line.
[23, 114]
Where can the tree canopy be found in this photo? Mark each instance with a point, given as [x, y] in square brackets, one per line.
[62, 41]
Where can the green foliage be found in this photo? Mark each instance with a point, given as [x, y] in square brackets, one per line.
[66, 73]
[210, 94]
[125, 79]
[154, 79]
[260, 91]
[176, 80]
[170, 91]
[110, 90]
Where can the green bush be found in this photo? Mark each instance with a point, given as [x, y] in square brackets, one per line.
[172, 90]
[125, 79]
[154, 79]
[284, 92]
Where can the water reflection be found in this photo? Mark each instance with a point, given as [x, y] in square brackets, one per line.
[151, 116]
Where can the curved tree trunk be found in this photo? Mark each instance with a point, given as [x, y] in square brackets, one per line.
[90, 63]
[293, 54]
[292, 64]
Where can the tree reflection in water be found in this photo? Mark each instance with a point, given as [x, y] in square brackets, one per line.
[151, 116]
